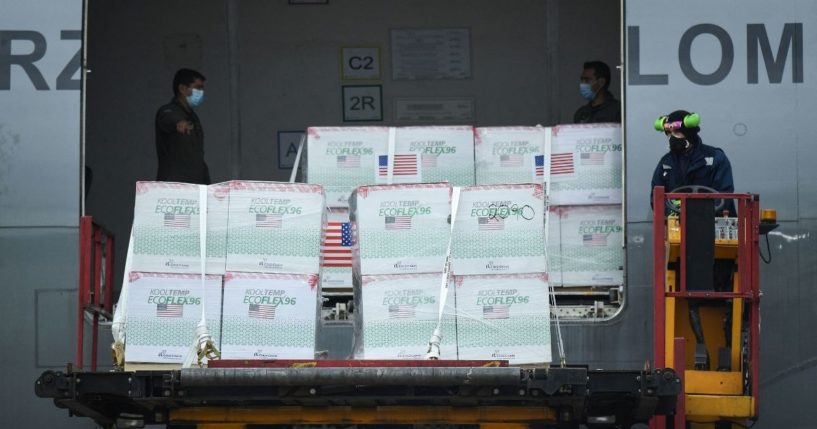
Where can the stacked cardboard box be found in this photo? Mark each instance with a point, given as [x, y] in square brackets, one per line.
[585, 225]
[435, 154]
[275, 227]
[396, 315]
[271, 294]
[166, 228]
[586, 245]
[585, 164]
[400, 249]
[510, 155]
[263, 234]
[269, 316]
[164, 283]
[499, 230]
[163, 312]
[342, 158]
[498, 258]
[504, 317]
[401, 229]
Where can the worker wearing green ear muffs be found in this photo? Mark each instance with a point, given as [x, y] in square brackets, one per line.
[689, 161]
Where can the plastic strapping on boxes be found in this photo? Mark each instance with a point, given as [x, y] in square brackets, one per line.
[297, 159]
[390, 156]
[203, 345]
[547, 151]
[559, 343]
[120, 314]
[436, 336]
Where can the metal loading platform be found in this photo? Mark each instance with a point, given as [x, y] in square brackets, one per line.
[392, 393]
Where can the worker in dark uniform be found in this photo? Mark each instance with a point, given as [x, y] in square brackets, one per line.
[593, 86]
[179, 135]
[689, 162]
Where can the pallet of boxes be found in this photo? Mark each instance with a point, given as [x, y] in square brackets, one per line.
[383, 231]
[401, 236]
[501, 290]
[585, 217]
[496, 305]
[343, 158]
[259, 292]
[499, 254]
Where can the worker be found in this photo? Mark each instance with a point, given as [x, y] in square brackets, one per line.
[179, 134]
[689, 162]
[594, 87]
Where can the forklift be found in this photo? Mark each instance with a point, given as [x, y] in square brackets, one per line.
[707, 303]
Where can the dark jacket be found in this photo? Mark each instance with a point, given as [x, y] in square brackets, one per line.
[181, 156]
[609, 111]
[703, 166]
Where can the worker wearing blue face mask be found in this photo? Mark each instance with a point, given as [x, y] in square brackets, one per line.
[601, 105]
[179, 135]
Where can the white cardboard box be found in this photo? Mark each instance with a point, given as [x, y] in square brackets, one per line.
[166, 228]
[585, 164]
[510, 155]
[586, 245]
[401, 228]
[274, 227]
[499, 230]
[269, 316]
[504, 317]
[396, 316]
[342, 158]
[163, 311]
[439, 153]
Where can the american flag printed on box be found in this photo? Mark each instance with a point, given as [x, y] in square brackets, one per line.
[510, 160]
[169, 310]
[261, 311]
[348, 161]
[404, 165]
[491, 223]
[592, 158]
[561, 163]
[594, 240]
[539, 162]
[398, 222]
[176, 220]
[401, 311]
[492, 312]
[268, 220]
[337, 246]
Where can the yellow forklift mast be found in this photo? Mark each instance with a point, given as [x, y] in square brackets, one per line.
[707, 304]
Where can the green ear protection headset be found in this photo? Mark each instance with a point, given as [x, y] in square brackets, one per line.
[690, 121]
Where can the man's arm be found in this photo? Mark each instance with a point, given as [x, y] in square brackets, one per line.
[170, 120]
